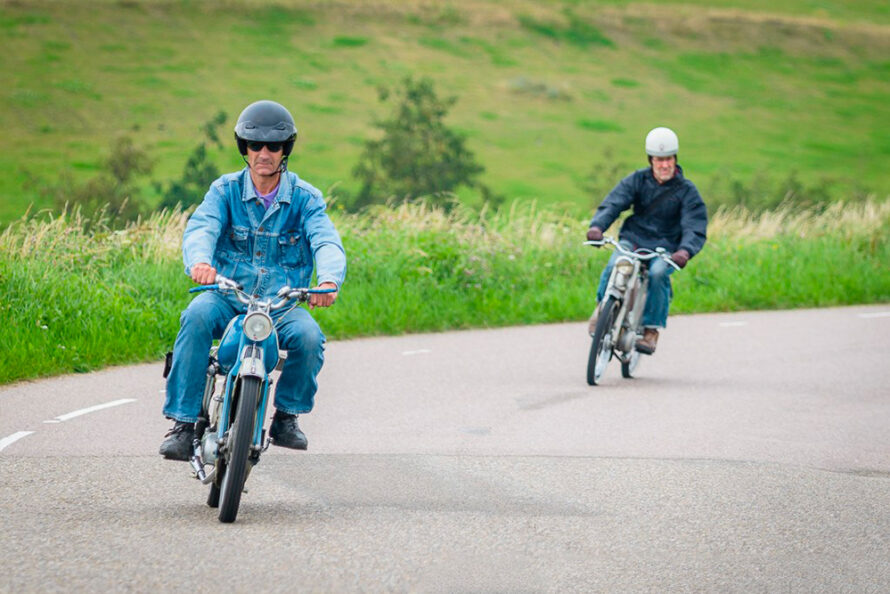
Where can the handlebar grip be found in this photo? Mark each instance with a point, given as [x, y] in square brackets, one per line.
[215, 286]
[321, 291]
[203, 288]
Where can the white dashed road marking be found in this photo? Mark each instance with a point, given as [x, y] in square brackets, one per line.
[417, 352]
[7, 441]
[876, 314]
[85, 411]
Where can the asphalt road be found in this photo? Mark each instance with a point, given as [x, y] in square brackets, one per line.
[751, 454]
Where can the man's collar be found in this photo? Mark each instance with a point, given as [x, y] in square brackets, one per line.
[250, 192]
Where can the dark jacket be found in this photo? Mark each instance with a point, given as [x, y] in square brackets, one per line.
[671, 215]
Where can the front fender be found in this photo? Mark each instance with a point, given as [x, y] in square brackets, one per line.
[252, 364]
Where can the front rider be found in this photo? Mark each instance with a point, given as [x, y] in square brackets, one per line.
[668, 212]
[262, 227]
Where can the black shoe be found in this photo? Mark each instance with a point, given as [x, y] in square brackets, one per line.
[178, 445]
[286, 433]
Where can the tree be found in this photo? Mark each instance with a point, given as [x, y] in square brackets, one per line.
[113, 192]
[199, 172]
[417, 155]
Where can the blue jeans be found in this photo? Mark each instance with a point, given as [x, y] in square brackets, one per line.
[205, 319]
[658, 297]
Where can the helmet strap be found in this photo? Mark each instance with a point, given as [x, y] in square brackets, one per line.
[282, 167]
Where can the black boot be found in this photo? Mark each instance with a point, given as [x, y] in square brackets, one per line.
[178, 445]
[286, 433]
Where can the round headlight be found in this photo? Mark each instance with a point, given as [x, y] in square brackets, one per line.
[625, 266]
[257, 326]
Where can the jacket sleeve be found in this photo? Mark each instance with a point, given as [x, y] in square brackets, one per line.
[693, 222]
[204, 227]
[617, 201]
[324, 241]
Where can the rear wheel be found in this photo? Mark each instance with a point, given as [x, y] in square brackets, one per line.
[219, 473]
[213, 496]
[238, 446]
[601, 347]
[628, 367]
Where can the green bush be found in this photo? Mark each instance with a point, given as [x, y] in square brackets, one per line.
[113, 194]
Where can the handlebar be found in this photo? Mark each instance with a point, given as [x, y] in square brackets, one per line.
[284, 295]
[644, 254]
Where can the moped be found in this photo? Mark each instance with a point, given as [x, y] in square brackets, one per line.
[619, 324]
[229, 433]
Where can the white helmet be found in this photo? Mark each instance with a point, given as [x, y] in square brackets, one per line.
[662, 142]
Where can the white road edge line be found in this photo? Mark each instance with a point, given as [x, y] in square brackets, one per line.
[8, 441]
[85, 411]
[417, 352]
[877, 314]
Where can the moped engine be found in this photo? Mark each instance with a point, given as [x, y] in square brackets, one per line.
[209, 447]
[626, 340]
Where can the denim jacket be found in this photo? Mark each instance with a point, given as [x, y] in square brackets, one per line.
[262, 249]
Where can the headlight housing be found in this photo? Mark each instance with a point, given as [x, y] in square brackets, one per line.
[257, 326]
[625, 267]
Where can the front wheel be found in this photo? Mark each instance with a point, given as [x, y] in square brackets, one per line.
[238, 445]
[601, 347]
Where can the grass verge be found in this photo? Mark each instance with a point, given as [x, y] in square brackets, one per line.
[78, 296]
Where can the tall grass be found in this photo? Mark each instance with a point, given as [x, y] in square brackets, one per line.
[77, 295]
[789, 258]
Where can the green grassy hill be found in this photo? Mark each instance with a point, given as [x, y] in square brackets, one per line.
[554, 97]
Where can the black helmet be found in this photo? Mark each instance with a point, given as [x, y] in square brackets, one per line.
[265, 121]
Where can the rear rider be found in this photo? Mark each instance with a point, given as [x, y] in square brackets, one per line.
[668, 212]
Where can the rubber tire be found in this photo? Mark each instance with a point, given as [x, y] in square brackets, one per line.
[213, 496]
[627, 369]
[603, 326]
[239, 442]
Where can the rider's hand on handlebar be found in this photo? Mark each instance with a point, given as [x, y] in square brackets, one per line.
[594, 234]
[203, 274]
[680, 258]
[323, 299]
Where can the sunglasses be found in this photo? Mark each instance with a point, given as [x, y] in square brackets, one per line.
[257, 145]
